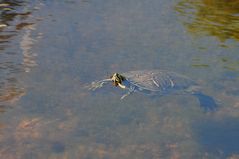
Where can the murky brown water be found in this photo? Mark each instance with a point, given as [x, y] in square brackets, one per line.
[51, 50]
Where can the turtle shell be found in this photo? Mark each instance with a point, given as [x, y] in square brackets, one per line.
[158, 80]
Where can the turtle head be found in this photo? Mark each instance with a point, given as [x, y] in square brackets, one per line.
[117, 80]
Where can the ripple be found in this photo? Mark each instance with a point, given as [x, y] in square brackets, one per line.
[219, 19]
[16, 42]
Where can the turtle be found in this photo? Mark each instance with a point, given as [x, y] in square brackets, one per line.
[157, 83]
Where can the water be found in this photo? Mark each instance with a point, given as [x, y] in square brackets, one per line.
[50, 50]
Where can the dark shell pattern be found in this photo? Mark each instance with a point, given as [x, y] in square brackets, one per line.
[158, 81]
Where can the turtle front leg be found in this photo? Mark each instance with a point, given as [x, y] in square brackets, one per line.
[125, 95]
[131, 90]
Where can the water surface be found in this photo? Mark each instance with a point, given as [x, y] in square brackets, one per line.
[51, 50]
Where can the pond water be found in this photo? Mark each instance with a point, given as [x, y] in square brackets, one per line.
[52, 50]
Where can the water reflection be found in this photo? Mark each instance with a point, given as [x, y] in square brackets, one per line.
[26, 46]
[219, 18]
[227, 63]
[13, 60]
